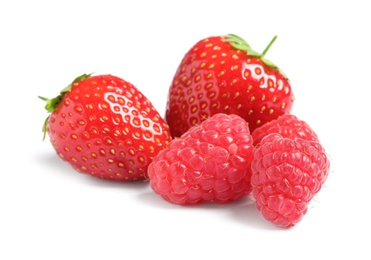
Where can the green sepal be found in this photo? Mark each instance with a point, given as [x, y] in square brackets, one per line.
[45, 129]
[269, 63]
[52, 103]
[240, 44]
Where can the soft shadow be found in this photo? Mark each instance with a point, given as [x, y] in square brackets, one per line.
[152, 199]
[51, 160]
[52, 164]
[242, 210]
[55, 165]
[245, 212]
[106, 183]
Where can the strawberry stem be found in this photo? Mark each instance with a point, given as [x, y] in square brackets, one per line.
[240, 44]
[269, 45]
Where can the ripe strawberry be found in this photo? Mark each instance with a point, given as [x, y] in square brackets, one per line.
[286, 175]
[210, 162]
[104, 126]
[288, 126]
[223, 74]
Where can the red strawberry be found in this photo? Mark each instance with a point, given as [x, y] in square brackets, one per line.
[288, 126]
[104, 126]
[286, 175]
[210, 162]
[222, 74]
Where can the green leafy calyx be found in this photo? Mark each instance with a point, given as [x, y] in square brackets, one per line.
[240, 44]
[52, 103]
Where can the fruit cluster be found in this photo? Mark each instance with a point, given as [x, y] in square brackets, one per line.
[227, 133]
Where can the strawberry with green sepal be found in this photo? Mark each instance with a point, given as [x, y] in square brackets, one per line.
[223, 74]
[104, 126]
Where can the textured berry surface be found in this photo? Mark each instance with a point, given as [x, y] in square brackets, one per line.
[286, 175]
[222, 74]
[104, 126]
[288, 126]
[210, 162]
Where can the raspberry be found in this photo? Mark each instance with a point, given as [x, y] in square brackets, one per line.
[288, 126]
[286, 175]
[211, 162]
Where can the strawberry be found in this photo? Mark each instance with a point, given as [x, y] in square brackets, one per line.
[286, 175]
[288, 126]
[104, 126]
[209, 163]
[223, 74]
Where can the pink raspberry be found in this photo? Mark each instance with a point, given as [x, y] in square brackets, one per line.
[286, 175]
[211, 162]
[288, 126]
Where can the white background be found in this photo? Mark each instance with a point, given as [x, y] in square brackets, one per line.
[49, 211]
